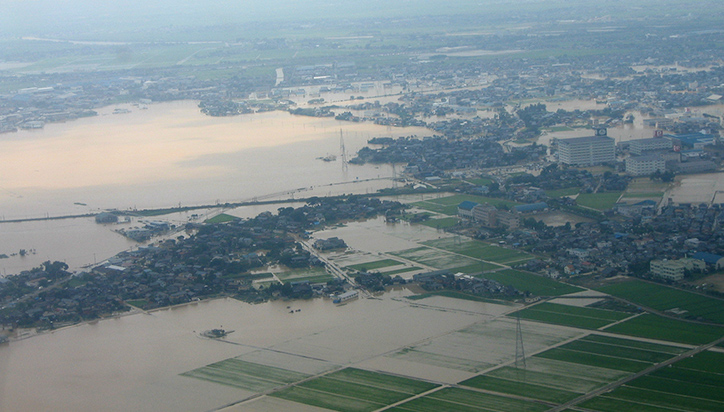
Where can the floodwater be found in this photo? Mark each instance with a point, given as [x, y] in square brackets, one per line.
[134, 362]
[171, 154]
[704, 188]
[168, 155]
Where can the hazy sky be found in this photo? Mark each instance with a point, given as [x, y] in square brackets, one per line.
[68, 17]
[86, 19]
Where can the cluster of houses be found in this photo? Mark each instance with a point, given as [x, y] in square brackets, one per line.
[218, 259]
[628, 246]
[432, 157]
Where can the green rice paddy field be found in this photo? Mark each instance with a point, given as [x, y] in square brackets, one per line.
[312, 275]
[440, 259]
[535, 284]
[663, 298]
[672, 330]
[480, 250]
[693, 384]
[568, 371]
[449, 205]
[354, 390]
[457, 399]
[377, 264]
[245, 375]
[579, 317]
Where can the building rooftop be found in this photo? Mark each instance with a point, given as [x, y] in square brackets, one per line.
[585, 139]
[709, 258]
[467, 205]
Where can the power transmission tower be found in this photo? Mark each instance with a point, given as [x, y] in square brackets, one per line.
[342, 150]
[519, 350]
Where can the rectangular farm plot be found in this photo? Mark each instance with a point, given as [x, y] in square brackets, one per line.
[568, 371]
[437, 259]
[479, 250]
[519, 387]
[537, 285]
[450, 210]
[579, 317]
[656, 327]
[327, 400]
[377, 264]
[245, 375]
[595, 359]
[664, 298]
[312, 275]
[457, 199]
[608, 404]
[693, 384]
[612, 353]
[555, 380]
[457, 399]
[354, 390]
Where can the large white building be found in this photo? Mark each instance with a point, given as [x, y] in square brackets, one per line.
[645, 165]
[641, 146]
[586, 151]
[675, 269]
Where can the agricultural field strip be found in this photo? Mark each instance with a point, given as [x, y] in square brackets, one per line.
[376, 264]
[415, 256]
[479, 250]
[608, 404]
[594, 354]
[480, 259]
[534, 309]
[606, 347]
[651, 326]
[664, 298]
[562, 319]
[679, 387]
[536, 284]
[663, 399]
[511, 373]
[663, 396]
[483, 400]
[426, 388]
[515, 382]
[456, 404]
[427, 404]
[520, 390]
[634, 344]
[325, 400]
[370, 385]
[235, 370]
[244, 381]
[579, 311]
[651, 369]
[356, 391]
[366, 377]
